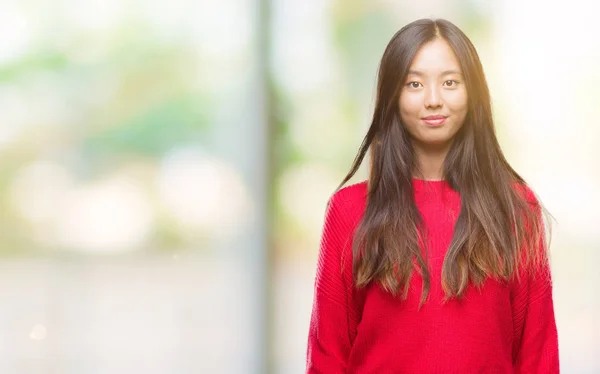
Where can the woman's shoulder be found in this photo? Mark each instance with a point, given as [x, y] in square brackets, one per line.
[350, 201]
[525, 191]
[347, 205]
[352, 194]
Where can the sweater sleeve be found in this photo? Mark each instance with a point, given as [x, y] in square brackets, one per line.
[536, 348]
[333, 319]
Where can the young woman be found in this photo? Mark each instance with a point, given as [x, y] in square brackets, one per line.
[438, 263]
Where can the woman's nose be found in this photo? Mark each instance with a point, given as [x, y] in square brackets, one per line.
[432, 97]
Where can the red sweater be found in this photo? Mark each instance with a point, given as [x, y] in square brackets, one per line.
[502, 329]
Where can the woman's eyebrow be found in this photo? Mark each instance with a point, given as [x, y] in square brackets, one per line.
[446, 72]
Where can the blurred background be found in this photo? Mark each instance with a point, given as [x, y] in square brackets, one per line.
[165, 166]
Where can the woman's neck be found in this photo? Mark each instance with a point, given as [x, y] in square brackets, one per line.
[430, 162]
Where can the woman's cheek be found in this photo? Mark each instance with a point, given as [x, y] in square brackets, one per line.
[411, 103]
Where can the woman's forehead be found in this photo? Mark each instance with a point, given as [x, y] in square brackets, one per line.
[435, 58]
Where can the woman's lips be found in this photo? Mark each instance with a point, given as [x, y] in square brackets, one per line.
[434, 120]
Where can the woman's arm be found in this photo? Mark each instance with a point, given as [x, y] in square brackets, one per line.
[333, 320]
[538, 349]
[536, 343]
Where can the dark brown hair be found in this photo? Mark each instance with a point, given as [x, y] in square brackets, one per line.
[499, 227]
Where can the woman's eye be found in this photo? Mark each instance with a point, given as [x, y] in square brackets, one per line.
[450, 83]
[414, 84]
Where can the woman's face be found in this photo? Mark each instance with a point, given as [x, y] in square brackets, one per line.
[433, 100]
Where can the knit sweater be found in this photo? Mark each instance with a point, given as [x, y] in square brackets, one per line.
[504, 327]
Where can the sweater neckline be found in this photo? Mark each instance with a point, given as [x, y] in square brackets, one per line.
[429, 181]
[430, 185]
